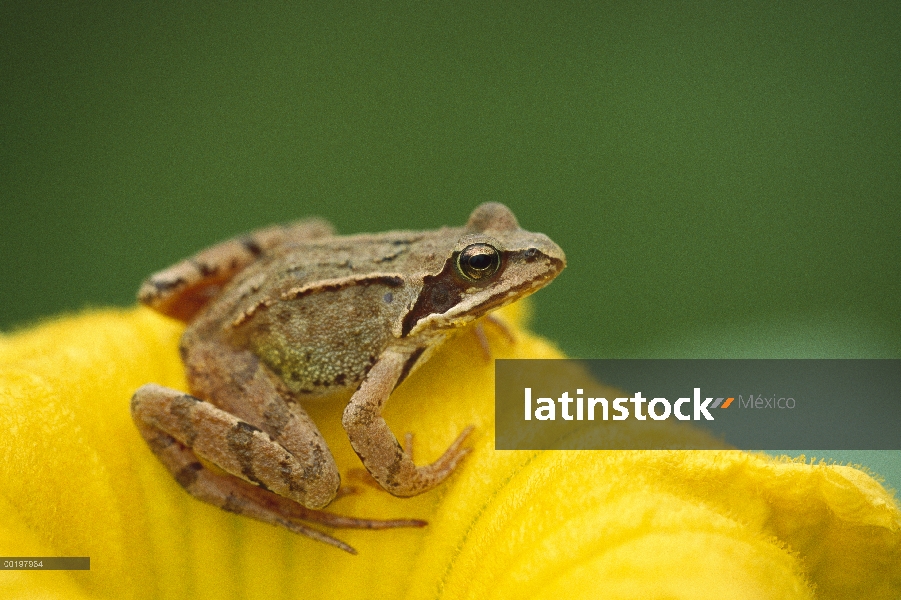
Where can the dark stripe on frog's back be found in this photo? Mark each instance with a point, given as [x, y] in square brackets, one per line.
[331, 258]
[348, 255]
[298, 265]
[391, 281]
[325, 340]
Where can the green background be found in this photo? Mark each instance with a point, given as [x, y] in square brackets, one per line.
[724, 179]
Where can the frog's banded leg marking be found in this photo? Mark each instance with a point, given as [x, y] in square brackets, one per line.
[166, 421]
[184, 288]
[237, 384]
[382, 455]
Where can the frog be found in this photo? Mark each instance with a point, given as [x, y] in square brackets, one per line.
[295, 313]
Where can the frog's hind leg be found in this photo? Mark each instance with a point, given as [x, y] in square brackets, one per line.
[181, 290]
[180, 430]
[236, 496]
[237, 384]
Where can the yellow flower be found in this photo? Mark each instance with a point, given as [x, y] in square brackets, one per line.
[77, 480]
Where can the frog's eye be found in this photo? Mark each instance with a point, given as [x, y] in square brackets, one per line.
[478, 262]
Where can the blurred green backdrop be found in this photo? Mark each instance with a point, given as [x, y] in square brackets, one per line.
[724, 178]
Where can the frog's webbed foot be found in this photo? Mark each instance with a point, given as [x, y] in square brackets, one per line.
[231, 493]
[390, 464]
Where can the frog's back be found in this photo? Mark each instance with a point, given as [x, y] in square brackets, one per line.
[320, 314]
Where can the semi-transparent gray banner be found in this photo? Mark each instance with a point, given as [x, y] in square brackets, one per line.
[45, 563]
[652, 404]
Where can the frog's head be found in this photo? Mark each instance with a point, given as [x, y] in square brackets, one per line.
[494, 262]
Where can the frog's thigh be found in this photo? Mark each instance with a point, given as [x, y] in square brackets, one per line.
[230, 443]
[236, 496]
[377, 447]
[236, 381]
[181, 290]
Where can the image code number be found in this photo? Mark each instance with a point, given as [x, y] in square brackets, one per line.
[23, 564]
[45, 563]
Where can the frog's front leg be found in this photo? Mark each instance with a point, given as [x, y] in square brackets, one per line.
[372, 440]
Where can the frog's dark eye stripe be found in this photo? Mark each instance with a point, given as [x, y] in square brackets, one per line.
[473, 266]
[478, 262]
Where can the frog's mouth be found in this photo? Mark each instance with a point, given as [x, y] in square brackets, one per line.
[448, 301]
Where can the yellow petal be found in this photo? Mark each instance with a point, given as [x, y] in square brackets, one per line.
[77, 480]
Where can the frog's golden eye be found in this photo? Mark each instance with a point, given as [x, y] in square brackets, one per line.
[478, 262]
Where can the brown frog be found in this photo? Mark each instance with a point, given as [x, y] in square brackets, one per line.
[292, 313]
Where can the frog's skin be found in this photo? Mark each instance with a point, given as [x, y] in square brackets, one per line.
[294, 313]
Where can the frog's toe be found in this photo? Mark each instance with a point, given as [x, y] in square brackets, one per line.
[439, 470]
[346, 490]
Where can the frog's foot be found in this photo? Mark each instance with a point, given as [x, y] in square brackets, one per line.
[442, 467]
[346, 490]
[501, 326]
[451, 457]
[479, 331]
